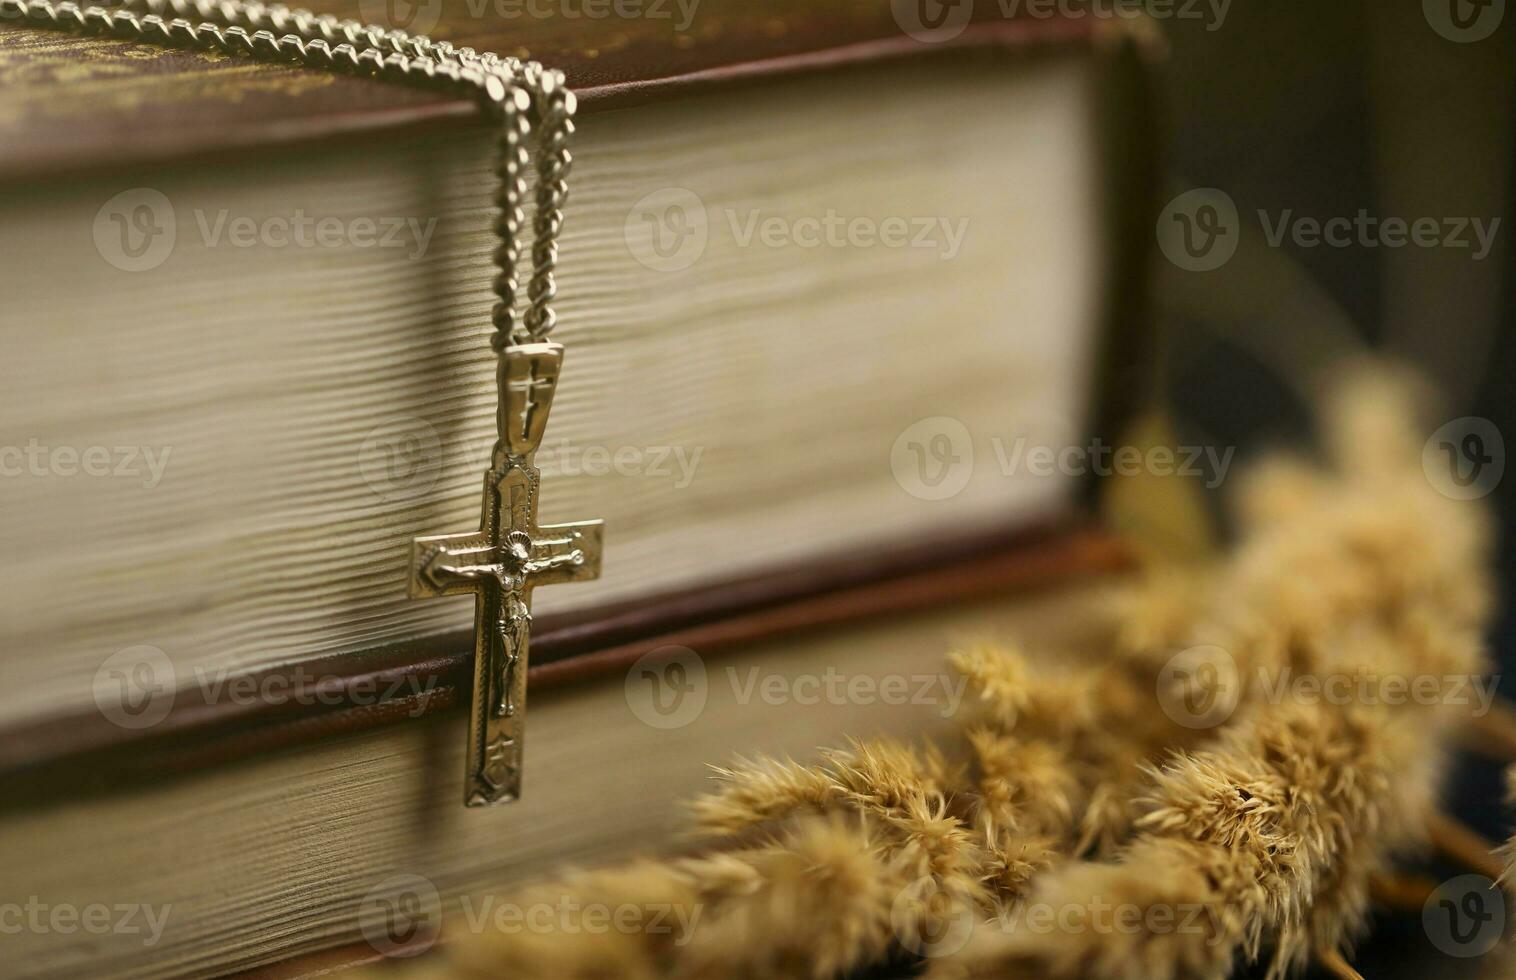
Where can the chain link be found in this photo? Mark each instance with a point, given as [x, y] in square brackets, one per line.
[522, 96]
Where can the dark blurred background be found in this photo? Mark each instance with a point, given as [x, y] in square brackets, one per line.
[1323, 110]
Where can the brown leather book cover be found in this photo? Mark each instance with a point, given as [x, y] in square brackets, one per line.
[78, 756]
[70, 105]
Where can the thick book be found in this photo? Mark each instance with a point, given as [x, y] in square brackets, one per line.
[825, 284]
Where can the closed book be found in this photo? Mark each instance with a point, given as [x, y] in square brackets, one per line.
[824, 284]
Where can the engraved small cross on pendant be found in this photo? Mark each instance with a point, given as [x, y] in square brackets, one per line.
[500, 564]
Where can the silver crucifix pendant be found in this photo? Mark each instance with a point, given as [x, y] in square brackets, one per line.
[500, 564]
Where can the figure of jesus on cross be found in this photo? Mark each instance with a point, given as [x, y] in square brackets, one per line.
[500, 564]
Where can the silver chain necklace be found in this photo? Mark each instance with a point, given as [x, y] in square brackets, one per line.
[500, 563]
[510, 90]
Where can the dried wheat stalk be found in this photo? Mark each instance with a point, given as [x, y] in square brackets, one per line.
[1070, 791]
